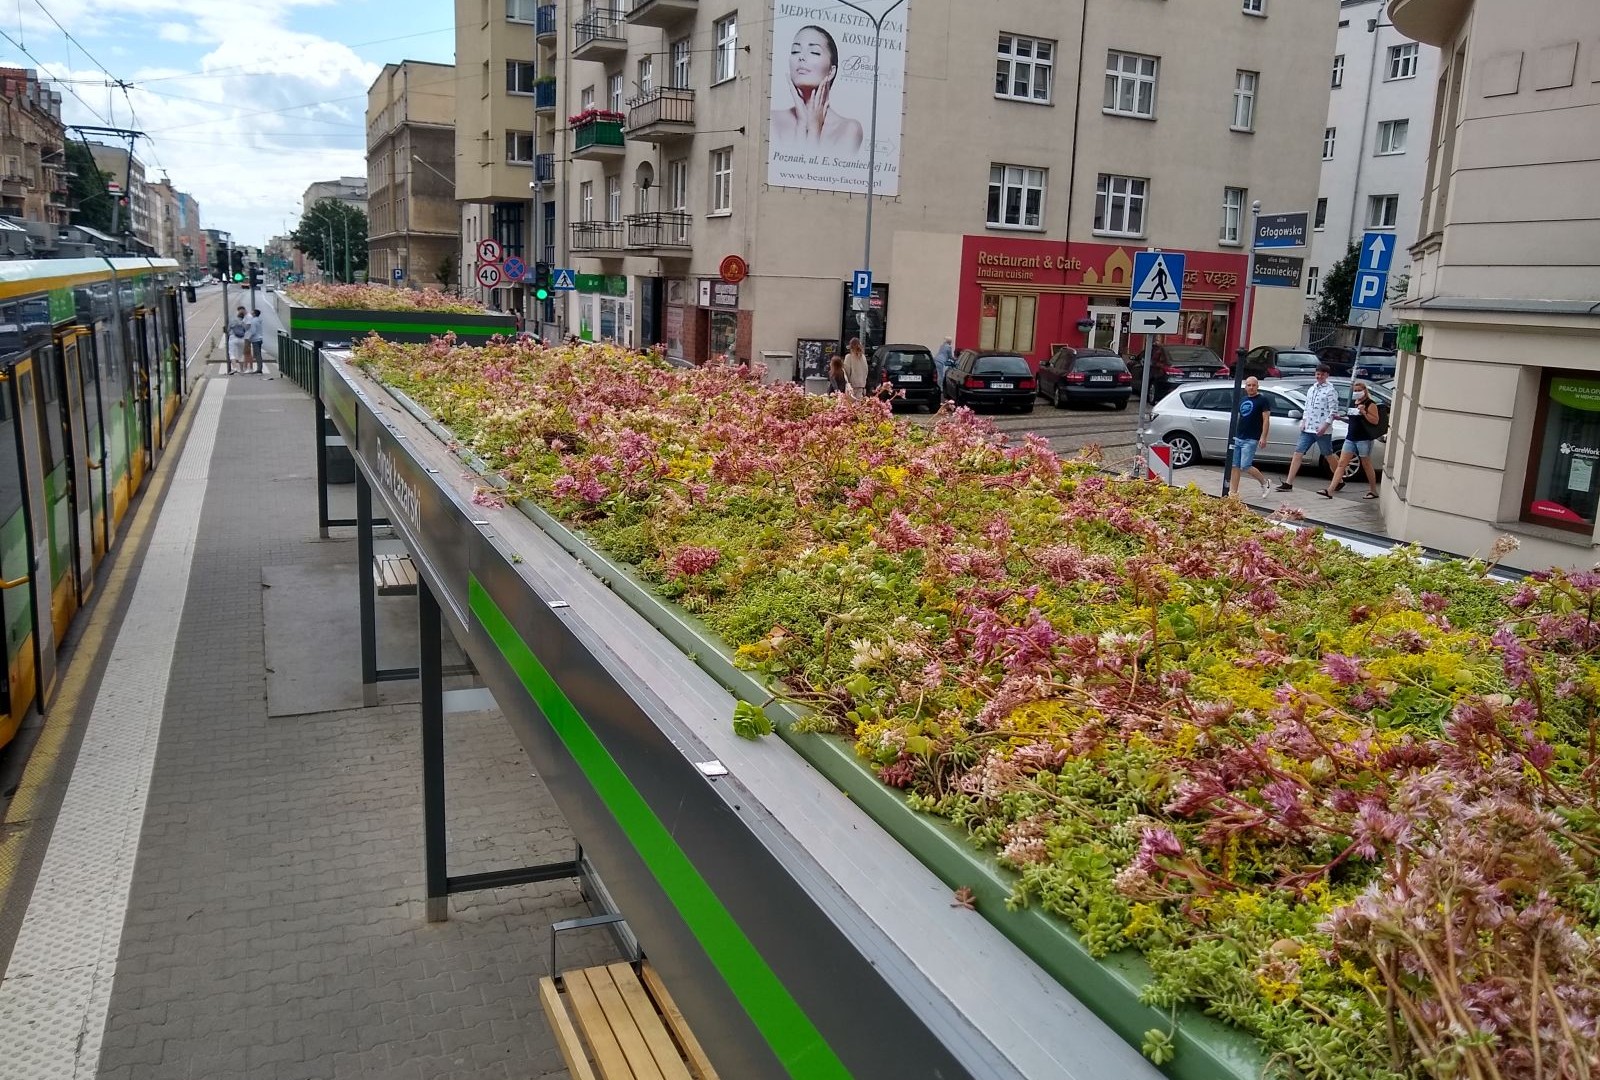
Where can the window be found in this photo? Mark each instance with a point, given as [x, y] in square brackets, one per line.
[586, 98]
[1244, 100]
[1007, 321]
[1016, 197]
[647, 75]
[614, 92]
[586, 201]
[613, 198]
[520, 76]
[1381, 211]
[725, 32]
[1320, 220]
[1338, 71]
[1329, 137]
[1562, 488]
[1254, 7]
[519, 148]
[1119, 205]
[524, 11]
[1023, 68]
[1232, 215]
[1402, 61]
[680, 63]
[1392, 136]
[722, 181]
[1130, 84]
[1313, 277]
[678, 184]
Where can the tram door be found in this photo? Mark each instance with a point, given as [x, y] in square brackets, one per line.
[24, 387]
[82, 461]
[146, 381]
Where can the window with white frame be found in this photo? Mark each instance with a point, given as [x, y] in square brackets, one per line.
[586, 98]
[1313, 279]
[647, 75]
[1131, 84]
[1024, 68]
[1382, 211]
[525, 11]
[1232, 215]
[680, 63]
[1244, 100]
[519, 148]
[1254, 7]
[678, 184]
[1330, 137]
[1016, 197]
[1402, 61]
[1119, 205]
[520, 76]
[1338, 71]
[614, 92]
[613, 198]
[725, 32]
[586, 201]
[722, 180]
[1392, 136]
[1319, 220]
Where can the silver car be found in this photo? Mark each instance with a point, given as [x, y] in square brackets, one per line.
[1193, 420]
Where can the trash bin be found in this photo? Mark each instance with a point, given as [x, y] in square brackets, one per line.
[188, 293]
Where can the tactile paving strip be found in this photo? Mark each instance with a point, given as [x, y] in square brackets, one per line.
[56, 991]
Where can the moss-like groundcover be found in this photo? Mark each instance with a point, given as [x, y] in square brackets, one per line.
[380, 298]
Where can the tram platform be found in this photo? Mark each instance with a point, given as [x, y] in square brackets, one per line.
[213, 871]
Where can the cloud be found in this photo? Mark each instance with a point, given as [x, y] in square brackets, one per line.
[180, 32]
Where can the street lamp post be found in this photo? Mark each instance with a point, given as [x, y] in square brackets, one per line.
[872, 137]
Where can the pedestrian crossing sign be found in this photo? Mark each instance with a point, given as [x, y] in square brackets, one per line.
[561, 280]
[1157, 281]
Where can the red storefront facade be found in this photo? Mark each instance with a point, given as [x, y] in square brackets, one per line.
[1032, 295]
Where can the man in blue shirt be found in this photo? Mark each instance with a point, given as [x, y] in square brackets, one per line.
[1255, 418]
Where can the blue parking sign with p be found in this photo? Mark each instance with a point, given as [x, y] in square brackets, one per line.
[1369, 290]
[861, 284]
[399, 274]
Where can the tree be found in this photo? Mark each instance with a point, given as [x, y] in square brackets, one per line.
[445, 269]
[86, 188]
[332, 232]
[1338, 285]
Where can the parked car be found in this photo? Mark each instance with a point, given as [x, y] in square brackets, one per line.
[906, 373]
[1375, 364]
[1277, 361]
[1341, 359]
[1381, 393]
[1075, 376]
[1194, 422]
[991, 377]
[1174, 365]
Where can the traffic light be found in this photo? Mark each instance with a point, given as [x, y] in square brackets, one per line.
[541, 281]
[222, 262]
[255, 276]
[237, 264]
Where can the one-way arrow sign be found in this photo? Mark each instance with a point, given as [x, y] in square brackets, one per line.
[1155, 322]
[1377, 252]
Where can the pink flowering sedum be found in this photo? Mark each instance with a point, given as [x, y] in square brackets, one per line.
[369, 297]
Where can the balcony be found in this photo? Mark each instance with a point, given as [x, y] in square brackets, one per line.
[13, 185]
[544, 168]
[662, 13]
[599, 238]
[545, 21]
[662, 115]
[664, 234]
[599, 36]
[598, 138]
[544, 95]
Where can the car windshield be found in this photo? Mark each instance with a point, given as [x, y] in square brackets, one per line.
[1298, 360]
[1192, 354]
[1001, 365]
[908, 360]
[1100, 362]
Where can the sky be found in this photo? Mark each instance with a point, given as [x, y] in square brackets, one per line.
[244, 103]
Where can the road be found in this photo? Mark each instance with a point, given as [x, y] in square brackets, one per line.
[206, 326]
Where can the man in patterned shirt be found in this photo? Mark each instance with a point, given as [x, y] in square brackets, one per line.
[1316, 424]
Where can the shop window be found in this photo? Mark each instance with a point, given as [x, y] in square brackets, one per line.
[1563, 487]
[1008, 322]
[725, 334]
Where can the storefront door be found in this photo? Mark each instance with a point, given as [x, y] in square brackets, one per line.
[1110, 328]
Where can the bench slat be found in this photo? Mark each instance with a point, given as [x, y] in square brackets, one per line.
[656, 1036]
[623, 1025]
[596, 1027]
[566, 1035]
[699, 1063]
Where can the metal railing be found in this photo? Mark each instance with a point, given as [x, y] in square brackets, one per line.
[544, 168]
[602, 24]
[544, 95]
[297, 360]
[659, 229]
[663, 105]
[597, 133]
[597, 236]
[545, 20]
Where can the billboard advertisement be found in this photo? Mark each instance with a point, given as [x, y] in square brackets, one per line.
[821, 109]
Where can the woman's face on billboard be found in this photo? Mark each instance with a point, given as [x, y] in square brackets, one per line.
[810, 59]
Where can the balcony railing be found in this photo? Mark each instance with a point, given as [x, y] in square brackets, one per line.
[544, 168]
[597, 133]
[661, 229]
[665, 108]
[544, 95]
[597, 236]
[545, 20]
[600, 30]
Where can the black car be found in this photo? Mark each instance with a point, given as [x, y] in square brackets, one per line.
[1072, 375]
[905, 373]
[1376, 364]
[991, 377]
[1280, 361]
[1341, 359]
[1173, 365]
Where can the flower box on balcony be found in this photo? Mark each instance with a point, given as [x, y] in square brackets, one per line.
[597, 128]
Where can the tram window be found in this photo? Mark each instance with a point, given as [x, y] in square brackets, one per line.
[50, 383]
[10, 329]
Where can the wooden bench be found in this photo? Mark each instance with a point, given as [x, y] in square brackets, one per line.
[627, 1026]
[395, 575]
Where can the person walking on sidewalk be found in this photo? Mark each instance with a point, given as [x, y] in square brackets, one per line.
[256, 338]
[1363, 426]
[855, 368]
[838, 381]
[943, 361]
[1316, 424]
[1255, 418]
[238, 335]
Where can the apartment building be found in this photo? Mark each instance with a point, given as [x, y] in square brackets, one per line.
[1496, 426]
[1374, 149]
[350, 190]
[33, 186]
[126, 173]
[413, 228]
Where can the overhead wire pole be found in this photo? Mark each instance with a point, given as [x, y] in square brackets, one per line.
[872, 137]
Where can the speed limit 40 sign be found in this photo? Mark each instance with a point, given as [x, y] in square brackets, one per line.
[489, 275]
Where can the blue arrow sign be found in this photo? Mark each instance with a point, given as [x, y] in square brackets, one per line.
[1157, 281]
[861, 284]
[561, 280]
[1377, 251]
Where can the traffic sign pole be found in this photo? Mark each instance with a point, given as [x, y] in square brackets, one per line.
[1244, 346]
[1160, 274]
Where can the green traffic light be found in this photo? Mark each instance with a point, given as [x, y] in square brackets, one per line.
[541, 294]
[238, 277]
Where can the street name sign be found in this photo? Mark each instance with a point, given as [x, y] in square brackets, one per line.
[1281, 231]
[1278, 271]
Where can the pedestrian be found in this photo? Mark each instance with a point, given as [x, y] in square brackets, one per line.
[1316, 424]
[944, 360]
[855, 368]
[238, 335]
[1255, 419]
[838, 381]
[257, 337]
[1363, 425]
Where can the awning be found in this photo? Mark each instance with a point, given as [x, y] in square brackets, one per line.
[7, 225]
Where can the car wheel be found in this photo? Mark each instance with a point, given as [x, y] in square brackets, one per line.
[1185, 450]
[1122, 405]
[1061, 399]
[1026, 407]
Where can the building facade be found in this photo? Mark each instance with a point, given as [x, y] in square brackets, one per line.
[1496, 425]
[126, 173]
[698, 203]
[350, 190]
[163, 201]
[33, 186]
[413, 227]
[1374, 149]
[191, 237]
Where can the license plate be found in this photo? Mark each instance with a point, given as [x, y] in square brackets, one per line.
[1002, 386]
[908, 378]
[1198, 375]
[1099, 378]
